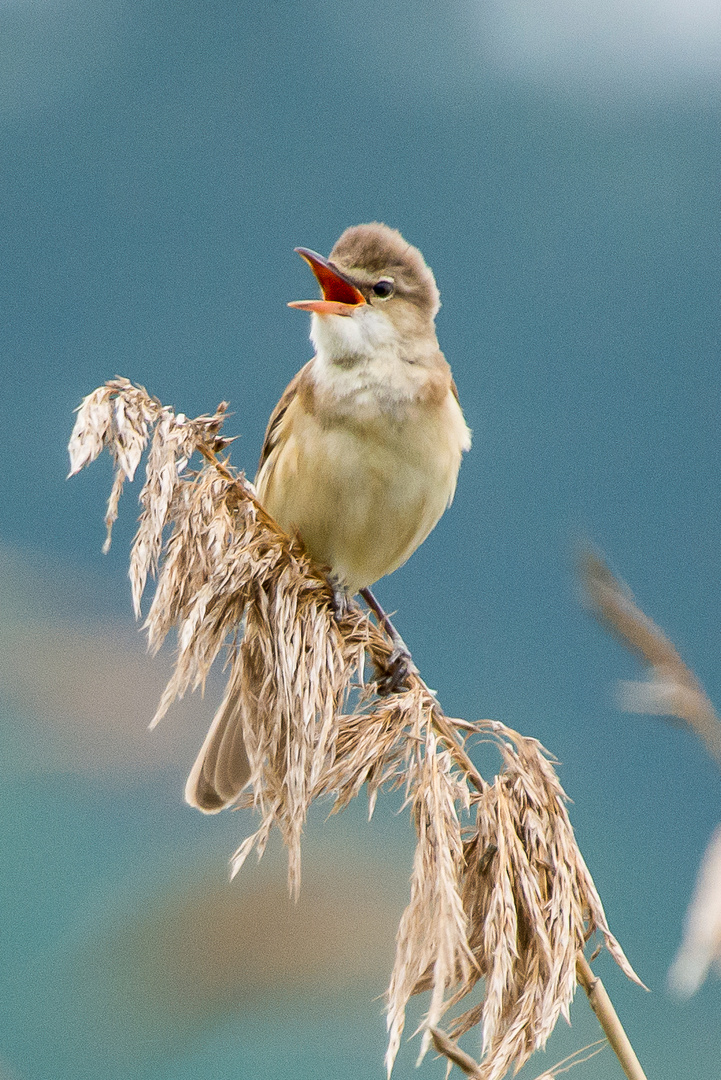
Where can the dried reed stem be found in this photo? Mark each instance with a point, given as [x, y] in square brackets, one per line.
[607, 1018]
[500, 893]
[453, 1053]
[468, 1065]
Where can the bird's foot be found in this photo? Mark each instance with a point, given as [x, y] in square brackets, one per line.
[342, 602]
[396, 671]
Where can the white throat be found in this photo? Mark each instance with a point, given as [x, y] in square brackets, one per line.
[347, 340]
[360, 365]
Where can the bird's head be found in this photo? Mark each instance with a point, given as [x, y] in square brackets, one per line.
[376, 288]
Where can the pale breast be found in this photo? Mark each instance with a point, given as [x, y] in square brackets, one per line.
[363, 487]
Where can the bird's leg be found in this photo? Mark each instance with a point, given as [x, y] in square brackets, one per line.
[342, 601]
[400, 663]
[383, 618]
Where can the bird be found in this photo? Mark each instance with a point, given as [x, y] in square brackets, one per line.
[362, 452]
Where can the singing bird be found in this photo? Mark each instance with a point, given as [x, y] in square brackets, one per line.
[362, 451]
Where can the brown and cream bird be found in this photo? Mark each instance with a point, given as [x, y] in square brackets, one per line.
[362, 451]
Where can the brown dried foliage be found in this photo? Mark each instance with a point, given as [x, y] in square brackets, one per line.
[499, 889]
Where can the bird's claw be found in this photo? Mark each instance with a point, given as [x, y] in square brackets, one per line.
[342, 602]
[396, 672]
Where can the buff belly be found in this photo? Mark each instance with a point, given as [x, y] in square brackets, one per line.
[362, 496]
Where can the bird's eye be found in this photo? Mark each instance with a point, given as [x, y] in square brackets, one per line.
[384, 288]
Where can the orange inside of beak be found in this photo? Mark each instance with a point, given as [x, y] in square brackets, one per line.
[340, 296]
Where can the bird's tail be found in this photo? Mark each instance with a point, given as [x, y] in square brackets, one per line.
[221, 769]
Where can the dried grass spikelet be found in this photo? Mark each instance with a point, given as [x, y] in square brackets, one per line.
[433, 933]
[226, 562]
[534, 905]
[499, 889]
[530, 905]
[118, 416]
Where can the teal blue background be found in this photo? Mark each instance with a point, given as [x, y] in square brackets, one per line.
[160, 162]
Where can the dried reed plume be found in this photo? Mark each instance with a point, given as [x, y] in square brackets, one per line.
[499, 889]
[671, 689]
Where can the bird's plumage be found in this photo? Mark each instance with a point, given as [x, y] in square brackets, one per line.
[362, 474]
[362, 451]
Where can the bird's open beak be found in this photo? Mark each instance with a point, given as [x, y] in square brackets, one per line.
[340, 296]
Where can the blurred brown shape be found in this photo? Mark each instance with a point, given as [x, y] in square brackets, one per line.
[84, 690]
[200, 953]
[671, 689]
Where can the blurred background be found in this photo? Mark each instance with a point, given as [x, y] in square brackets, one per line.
[558, 166]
